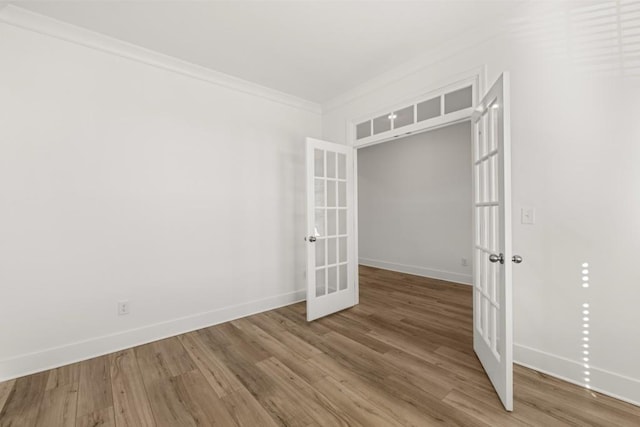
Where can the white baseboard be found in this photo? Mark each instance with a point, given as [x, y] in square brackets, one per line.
[612, 384]
[605, 382]
[27, 364]
[449, 276]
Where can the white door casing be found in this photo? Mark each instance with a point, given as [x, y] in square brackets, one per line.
[492, 260]
[331, 259]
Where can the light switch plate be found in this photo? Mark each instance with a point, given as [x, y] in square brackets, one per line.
[123, 308]
[528, 216]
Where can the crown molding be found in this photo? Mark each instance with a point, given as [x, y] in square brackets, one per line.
[22, 18]
[467, 40]
[405, 70]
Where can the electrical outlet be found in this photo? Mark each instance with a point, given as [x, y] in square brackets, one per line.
[123, 308]
[464, 262]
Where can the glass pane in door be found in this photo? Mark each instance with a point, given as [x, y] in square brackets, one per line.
[332, 279]
[342, 222]
[320, 282]
[330, 264]
[342, 194]
[319, 229]
[342, 166]
[331, 222]
[331, 165]
[342, 277]
[332, 250]
[319, 192]
[320, 252]
[331, 193]
[318, 162]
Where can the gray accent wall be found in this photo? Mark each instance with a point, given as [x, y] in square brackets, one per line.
[414, 204]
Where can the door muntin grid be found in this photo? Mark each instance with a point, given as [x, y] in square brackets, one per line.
[330, 222]
[487, 227]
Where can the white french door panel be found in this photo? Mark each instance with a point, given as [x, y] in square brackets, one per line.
[331, 257]
[492, 269]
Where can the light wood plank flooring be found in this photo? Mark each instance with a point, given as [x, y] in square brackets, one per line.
[403, 357]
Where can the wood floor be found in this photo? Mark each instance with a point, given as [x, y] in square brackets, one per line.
[402, 357]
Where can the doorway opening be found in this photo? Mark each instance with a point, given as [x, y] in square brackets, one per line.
[491, 224]
[414, 210]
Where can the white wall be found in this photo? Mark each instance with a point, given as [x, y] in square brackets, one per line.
[124, 181]
[414, 204]
[575, 140]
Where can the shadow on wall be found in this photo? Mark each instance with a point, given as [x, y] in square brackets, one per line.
[603, 38]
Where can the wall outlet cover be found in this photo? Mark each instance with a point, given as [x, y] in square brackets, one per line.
[528, 216]
[123, 308]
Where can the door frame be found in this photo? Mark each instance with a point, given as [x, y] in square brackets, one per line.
[476, 77]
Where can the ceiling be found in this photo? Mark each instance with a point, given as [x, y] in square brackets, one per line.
[315, 50]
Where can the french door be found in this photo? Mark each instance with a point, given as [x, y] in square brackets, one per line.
[331, 259]
[493, 257]
[331, 250]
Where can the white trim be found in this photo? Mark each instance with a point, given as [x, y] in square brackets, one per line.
[452, 83]
[27, 20]
[449, 49]
[474, 77]
[329, 302]
[416, 128]
[356, 285]
[54, 357]
[610, 383]
[432, 273]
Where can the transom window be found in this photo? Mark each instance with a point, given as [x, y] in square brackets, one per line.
[444, 105]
